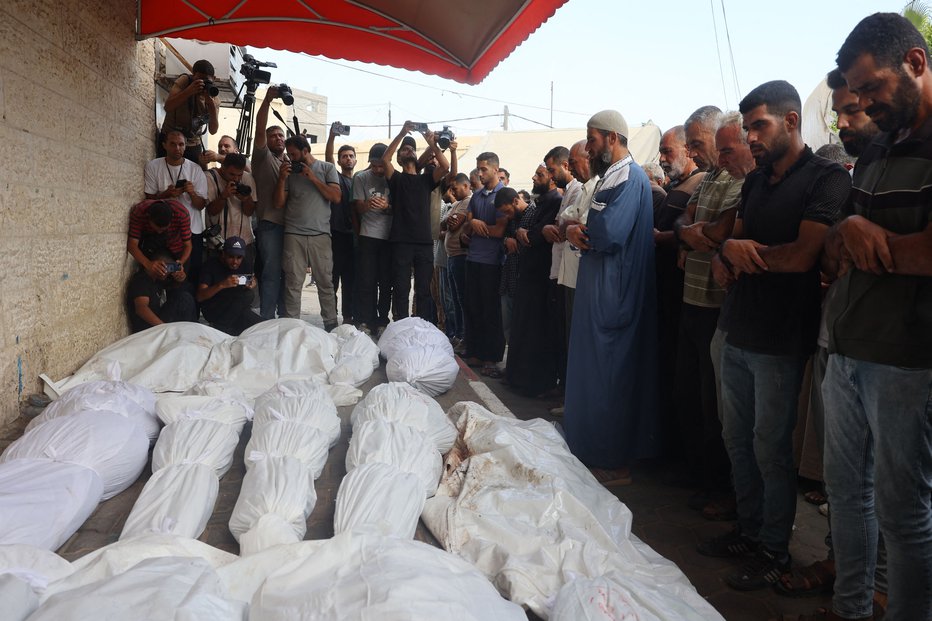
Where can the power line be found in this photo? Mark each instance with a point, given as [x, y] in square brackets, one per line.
[718, 51]
[731, 54]
[445, 90]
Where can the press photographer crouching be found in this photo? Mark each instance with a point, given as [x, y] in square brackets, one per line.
[159, 295]
[159, 229]
[231, 202]
[191, 108]
[226, 290]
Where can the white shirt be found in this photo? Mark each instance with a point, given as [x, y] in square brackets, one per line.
[160, 176]
[570, 194]
[579, 210]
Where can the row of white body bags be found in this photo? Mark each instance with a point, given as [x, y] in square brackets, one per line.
[87, 446]
[394, 461]
[295, 425]
[194, 450]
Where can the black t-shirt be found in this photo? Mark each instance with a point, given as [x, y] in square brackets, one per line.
[341, 214]
[411, 206]
[141, 285]
[778, 313]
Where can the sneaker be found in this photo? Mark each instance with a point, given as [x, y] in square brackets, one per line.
[761, 572]
[732, 544]
[364, 329]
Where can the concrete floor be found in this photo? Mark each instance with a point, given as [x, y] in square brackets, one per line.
[661, 516]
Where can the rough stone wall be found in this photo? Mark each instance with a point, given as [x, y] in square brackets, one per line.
[76, 126]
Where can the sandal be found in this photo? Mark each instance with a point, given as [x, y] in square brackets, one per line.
[815, 579]
[491, 371]
[612, 478]
[815, 497]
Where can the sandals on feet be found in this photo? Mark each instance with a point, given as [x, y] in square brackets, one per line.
[815, 579]
[491, 371]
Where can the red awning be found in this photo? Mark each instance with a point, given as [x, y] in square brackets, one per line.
[461, 40]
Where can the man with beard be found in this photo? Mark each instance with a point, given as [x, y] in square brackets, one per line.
[535, 345]
[878, 440]
[685, 177]
[787, 206]
[268, 155]
[856, 131]
[343, 226]
[695, 384]
[411, 234]
[372, 202]
[610, 385]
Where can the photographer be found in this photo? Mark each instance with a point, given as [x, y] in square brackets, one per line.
[411, 235]
[344, 225]
[227, 289]
[174, 177]
[191, 110]
[161, 297]
[158, 228]
[226, 144]
[231, 203]
[306, 188]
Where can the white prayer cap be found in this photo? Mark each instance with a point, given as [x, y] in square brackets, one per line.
[609, 121]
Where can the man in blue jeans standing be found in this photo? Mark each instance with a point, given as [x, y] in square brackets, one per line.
[268, 155]
[877, 389]
[787, 206]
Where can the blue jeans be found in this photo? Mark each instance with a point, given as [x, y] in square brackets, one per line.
[760, 394]
[269, 243]
[456, 277]
[878, 423]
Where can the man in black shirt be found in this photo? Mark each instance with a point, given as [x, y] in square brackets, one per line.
[159, 297]
[343, 226]
[226, 290]
[787, 206]
[411, 236]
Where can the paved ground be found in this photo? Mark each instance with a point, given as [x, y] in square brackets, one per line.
[661, 517]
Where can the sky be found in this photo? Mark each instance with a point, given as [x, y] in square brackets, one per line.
[652, 61]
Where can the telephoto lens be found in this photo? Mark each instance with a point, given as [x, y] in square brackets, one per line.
[284, 92]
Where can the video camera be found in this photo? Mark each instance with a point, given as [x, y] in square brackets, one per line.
[252, 73]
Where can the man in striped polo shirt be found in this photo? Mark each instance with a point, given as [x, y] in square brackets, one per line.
[878, 410]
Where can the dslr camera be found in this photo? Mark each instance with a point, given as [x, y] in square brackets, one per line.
[297, 167]
[285, 94]
[340, 129]
[213, 240]
[444, 137]
[243, 190]
[211, 88]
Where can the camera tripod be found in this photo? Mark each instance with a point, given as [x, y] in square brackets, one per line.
[244, 130]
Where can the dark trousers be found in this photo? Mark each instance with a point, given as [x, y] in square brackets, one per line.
[456, 278]
[700, 429]
[179, 306]
[485, 339]
[374, 281]
[420, 258]
[344, 272]
[229, 311]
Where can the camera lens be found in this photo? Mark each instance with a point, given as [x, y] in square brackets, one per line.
[284, 92]
[211, 88]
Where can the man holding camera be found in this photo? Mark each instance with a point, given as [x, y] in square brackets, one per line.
[411, 234]
[373, 208]
[159, 228]
[176, 178]
[230, 192]
[157, 296]
[191, 108]
[343, 222]
[226, 144]
[268, 155]
[226, 289]
[306, 187]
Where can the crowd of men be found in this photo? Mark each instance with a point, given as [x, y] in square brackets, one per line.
[673, 309]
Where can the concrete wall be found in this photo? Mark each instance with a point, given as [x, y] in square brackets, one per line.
[76, 125]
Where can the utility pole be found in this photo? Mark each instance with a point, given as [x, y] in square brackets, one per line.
[389, 120]
[505, 122]
[551, 103]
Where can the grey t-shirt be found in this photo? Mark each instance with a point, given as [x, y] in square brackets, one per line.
[307, 212]
[265, 167]
[373, 223]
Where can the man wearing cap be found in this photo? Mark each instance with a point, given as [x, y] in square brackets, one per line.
[226, 289]
[611, 375]
[374, 254]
